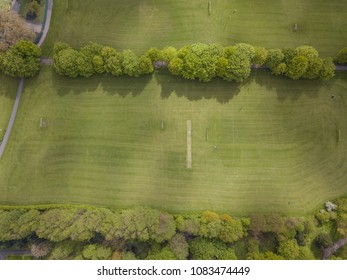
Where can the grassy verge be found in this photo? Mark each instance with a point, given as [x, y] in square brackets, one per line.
[8, 89]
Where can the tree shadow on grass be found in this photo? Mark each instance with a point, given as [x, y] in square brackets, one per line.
[9, 86]
[218, 89]
[287, 89]
[123, 86]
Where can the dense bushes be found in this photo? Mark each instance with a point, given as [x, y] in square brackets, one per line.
[143, 233]
[194, 62]
[21, 60]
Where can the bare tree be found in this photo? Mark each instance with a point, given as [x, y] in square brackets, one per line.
[12, 29]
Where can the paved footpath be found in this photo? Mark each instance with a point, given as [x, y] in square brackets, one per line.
[48, 22]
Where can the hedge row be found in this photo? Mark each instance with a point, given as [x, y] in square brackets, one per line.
[70, 232]
[197, 61]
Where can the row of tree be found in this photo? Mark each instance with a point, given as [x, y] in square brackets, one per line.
[197, 61]
[21, 60]
[341, 57]
[143, 233]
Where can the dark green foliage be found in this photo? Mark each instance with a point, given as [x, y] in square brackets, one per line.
[341, 56]
[324, 240]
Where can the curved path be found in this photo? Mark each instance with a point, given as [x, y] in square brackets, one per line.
[47, 23]
[21, 82]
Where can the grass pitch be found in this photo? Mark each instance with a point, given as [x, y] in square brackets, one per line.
[8, 91]
[272, 143]
[139, 25]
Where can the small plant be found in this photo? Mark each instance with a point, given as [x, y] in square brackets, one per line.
[295, 27]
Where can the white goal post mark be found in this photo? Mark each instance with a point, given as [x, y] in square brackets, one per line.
[189, 144]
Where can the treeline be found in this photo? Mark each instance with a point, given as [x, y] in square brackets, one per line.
[143, 233]
[195, 62]
[21, 60]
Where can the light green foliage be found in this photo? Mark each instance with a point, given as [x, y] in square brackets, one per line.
[205, 249]
[84, 65]
[114, 66]
[96, 252]
[163, 254]
[55, 225]
[200, 61]
[234, 65]
[130, 63]
[274, 58]
[154, 54]
[223, 227]
[297, 67]
[266, 256]
[341, 56]
[65, 63]
[98, 64]
[63, 250]
[327, 71]
[168, 53]
[260, 56]
[175, 66]
[245, 49]
[21, 60]
[28, 49]
[146, 65]
[146, 224]
[289, 249]
[231, 230]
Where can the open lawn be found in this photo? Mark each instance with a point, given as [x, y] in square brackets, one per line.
[139, 25]
[8, 90]
[272, 143]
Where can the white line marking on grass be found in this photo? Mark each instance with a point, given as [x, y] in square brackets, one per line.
[189, 144]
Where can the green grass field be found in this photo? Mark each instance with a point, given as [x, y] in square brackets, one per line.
[273, 145]
[8, 89]
[139, 25]
[102, 143]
